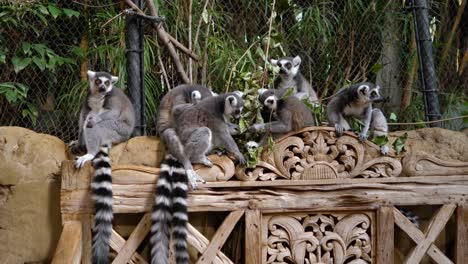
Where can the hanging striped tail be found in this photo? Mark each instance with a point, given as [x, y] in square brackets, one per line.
[101, 187]
[180, 216]
[170, 211]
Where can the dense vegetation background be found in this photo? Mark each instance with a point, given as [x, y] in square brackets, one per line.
[46, 47]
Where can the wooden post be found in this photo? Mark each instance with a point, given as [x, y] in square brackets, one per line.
[461, 249]
[385, 235]
[253, 237]
[69, 247]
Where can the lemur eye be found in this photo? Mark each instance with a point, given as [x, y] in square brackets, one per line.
[107, 83]
[374, 94]
[288, 65]
[97, 82]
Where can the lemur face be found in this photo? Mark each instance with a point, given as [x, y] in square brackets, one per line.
[369, 92]
[233, 105]
[101, 82]
[268, 99]
[288, 66]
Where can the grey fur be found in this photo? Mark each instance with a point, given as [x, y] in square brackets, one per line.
[286, 114]
[356, 101]
[205, 125]
[291, 77]
[107, 116]
[181, 95]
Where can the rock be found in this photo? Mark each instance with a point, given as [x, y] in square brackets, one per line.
[146, 151]
[30, 222]
[441, 143]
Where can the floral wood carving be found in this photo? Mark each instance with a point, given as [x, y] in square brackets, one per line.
[316, 153]
[320, 238]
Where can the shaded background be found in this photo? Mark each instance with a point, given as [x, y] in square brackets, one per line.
[46, 47]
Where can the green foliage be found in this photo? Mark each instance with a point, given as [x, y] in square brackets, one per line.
[380, 140]
[399, 143]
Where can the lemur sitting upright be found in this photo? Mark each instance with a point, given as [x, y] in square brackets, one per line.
[356, 101]
[107, 117]
[286, 114]
[291, 77]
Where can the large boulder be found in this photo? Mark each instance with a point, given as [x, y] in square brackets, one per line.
[441, 143]
[30, 222]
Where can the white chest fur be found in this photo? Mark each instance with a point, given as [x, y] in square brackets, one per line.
[288, 83]
[96, 103]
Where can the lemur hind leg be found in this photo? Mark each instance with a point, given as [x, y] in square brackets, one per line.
[108, 132]
[198, 144]
[379, 126]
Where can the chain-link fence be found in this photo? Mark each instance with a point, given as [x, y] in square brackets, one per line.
[46, 47]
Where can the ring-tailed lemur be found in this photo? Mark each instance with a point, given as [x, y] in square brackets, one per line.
[288, 114]
[107, 117]
[182, 94]
[291, 77]
[356, 101]
[199, 128]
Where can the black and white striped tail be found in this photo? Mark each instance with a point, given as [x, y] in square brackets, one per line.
[101, 187]
[170, 211]
[410, 215]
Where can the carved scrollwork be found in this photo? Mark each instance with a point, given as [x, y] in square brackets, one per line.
[316, 153]
[320, 238]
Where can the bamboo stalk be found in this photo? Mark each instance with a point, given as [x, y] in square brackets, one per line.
[190, 40]
[411, 76]
[456, 24]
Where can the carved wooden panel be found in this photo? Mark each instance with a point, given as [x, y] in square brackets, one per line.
[316, 153]
[333, 237]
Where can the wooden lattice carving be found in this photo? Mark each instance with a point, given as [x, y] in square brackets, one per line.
[316, 153]
[320, 238]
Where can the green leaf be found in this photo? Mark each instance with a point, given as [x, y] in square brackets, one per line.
[393, 117]
[26, 48]
[43, 9]
[54, 11]
[288, 93]
[40, 63]
[205, 16]
[399, 143]
[39, 48]
[71, 13]
[20, 63]
[2, 57]
[376, 68]
[243, 125]
[380, 140]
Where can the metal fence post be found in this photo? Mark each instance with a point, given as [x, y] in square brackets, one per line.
[135, 71]
[428, 76]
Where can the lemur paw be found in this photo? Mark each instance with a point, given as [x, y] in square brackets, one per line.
[384, 150]
[82, 160]
[362, 137]
[241, 159]
[256, 128]
[194, 178]
[207, 162]
[339, 130]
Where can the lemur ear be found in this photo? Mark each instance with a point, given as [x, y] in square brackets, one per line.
[297, 61]
[196, 95]
[262, 91]
[364, 89]
[377, 87]
[213, 93]
[91, 74]
[239, 93]
[114, 79]
[232, 100]
[274, 62]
